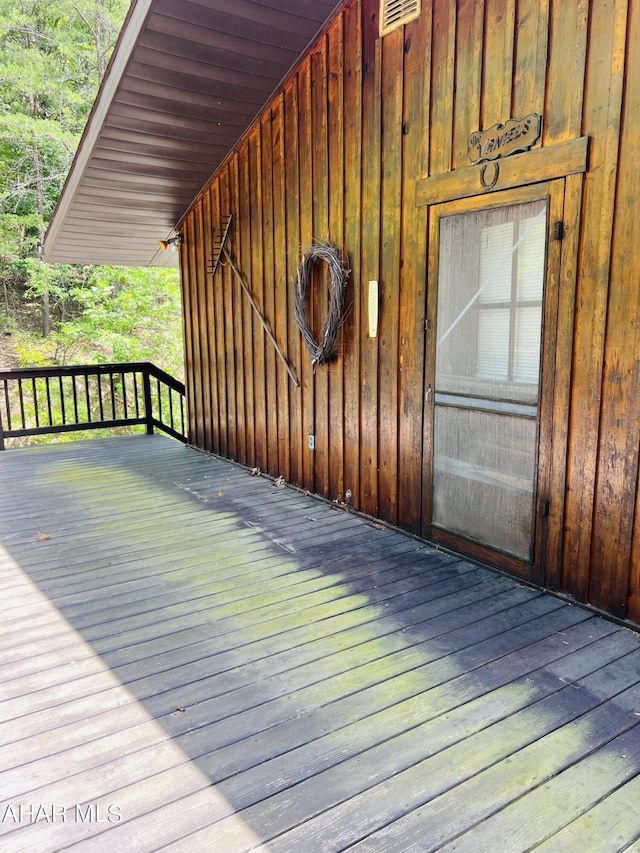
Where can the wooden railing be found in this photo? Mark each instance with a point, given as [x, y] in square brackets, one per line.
[47, 400]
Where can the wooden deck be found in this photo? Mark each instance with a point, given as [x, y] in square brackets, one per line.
[193, 659]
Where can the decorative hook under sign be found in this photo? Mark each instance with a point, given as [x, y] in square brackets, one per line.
[489, 185]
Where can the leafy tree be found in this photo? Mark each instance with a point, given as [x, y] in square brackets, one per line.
[52, 59]
[53, 55]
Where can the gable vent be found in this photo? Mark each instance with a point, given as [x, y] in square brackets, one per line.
[394, 13]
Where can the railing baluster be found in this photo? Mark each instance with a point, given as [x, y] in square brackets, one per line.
[100, 401]
[87, 397]
[35, 402]
[6, 397]
[124, 396]
[21, 398]
[148, 405]
[159, 392]
[113, 396]
[75, 399]
[7, 402]
[171, 408]
[135, 392]
[48, 400]
[62, 407]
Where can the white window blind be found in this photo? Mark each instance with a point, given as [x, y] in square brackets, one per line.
[510, 307]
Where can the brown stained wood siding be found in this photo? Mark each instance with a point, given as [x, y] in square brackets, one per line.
[412, 276]
[336, 155]
[335, 128]
[281, 296]
[391, 201]
[320, 209]
[354, 327]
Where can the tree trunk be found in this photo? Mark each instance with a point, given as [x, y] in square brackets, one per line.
[39, 190]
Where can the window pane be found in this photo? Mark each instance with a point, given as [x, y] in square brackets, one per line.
[493, 344]
[527, 344]
[531, 255]
[491, 270]
[496, 263]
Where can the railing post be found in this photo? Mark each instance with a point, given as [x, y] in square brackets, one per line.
[1, 431]
[148, 408]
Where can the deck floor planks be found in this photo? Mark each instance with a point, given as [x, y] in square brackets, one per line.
[325, 668]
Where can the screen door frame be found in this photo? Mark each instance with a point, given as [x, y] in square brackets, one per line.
[552, 193]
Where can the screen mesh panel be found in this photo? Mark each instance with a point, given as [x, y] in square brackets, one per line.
[490, 293]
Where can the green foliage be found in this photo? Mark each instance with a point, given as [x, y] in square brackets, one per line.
[121, 314]
[129, 315]
[53, 55]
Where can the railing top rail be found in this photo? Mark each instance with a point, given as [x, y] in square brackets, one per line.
[167, 378]
[75, 369]
[93, 370]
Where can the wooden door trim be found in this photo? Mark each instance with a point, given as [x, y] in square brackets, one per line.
[531, 167]
[554, 192]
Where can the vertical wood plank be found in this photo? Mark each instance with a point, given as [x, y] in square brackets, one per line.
[530, 66]
[255, 285]
[267, 302]
[468, 76]
[209, 376]
[188, 315]
[240, 345]
[497, 77]
[601, 122]
[219, 339]
[617, 461]
[370, 259]
[629, 241]
[307, 379]
[430, 369]
[413, 275]
[197, 356]
[335, 133]
[391, 212]
[353, 326]
[243, 230]
[548, 367]
[562, 384]
[280, 288]
[568, 31]
[319, 290]
[442, 87]
[292, 213]
[228, 289]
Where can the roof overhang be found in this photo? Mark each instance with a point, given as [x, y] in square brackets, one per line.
[186, 80]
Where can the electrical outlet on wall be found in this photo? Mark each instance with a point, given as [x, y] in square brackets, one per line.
[311, 442]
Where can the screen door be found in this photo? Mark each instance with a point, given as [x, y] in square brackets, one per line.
[486, 391]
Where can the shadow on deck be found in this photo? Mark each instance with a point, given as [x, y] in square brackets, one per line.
[193, 659]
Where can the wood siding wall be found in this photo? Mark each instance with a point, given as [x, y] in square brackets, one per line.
[337, 155]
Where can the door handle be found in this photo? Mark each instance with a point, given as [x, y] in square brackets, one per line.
[428, 395]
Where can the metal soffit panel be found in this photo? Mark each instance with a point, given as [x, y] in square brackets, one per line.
[186, 80]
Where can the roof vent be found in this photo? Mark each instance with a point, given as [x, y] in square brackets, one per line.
[394, 13]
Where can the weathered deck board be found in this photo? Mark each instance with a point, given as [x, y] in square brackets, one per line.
[232, 666]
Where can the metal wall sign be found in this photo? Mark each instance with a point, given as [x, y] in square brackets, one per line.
[501, 140]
